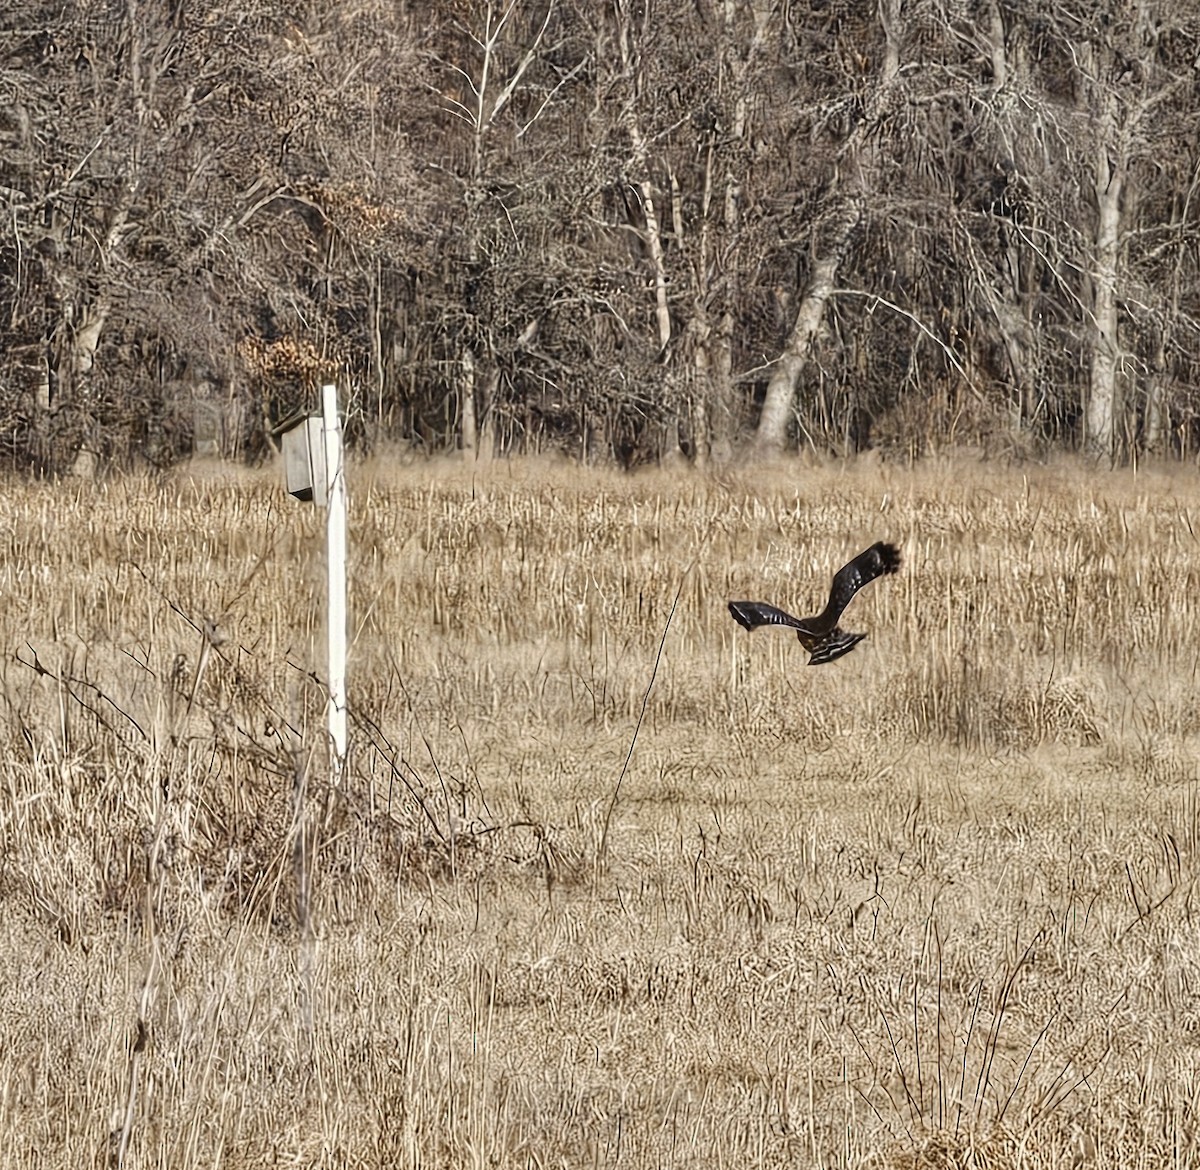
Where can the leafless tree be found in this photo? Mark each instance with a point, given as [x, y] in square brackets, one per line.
[651, 228]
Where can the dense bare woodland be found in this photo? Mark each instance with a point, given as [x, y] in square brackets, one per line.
[681, 228]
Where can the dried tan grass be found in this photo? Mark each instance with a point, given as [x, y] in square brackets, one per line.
[930, 906]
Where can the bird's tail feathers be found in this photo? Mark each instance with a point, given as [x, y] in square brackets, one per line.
[837, 643]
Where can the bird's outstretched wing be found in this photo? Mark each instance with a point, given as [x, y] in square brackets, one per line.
[752, 614]
[878, 560]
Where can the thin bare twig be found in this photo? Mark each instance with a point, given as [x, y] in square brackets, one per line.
[612, 804]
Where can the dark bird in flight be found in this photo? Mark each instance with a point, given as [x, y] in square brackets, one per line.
[821, 636]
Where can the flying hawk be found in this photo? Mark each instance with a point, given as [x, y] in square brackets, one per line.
[821, 636]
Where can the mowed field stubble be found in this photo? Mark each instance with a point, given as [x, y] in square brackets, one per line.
[931, 905]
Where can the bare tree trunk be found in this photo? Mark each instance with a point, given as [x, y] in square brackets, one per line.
[781, 389]
[1017, 337]
[1102, 398]
[492, 94]
[83, 359]
[832, 239]
[995, 36]
[487, 415]
[375, 336]
[466, 403]
[662, 310]
[1008, 304]
[1154, 429]
[717, 355]
[652, 234]
[1155, 432]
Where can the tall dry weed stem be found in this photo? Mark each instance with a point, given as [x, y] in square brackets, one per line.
[930, 906]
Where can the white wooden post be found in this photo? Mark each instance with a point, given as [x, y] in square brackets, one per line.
[335, 546]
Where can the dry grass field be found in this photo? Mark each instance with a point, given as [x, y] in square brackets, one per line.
[933, 905]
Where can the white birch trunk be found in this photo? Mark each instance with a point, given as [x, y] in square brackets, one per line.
[771, 436]
[1102, 403]
[466, 399]
[833, 237]
[83, 360]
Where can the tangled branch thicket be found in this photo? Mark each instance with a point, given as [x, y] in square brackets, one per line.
[602, 232]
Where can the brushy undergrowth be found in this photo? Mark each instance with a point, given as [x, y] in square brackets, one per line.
[929, 906]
